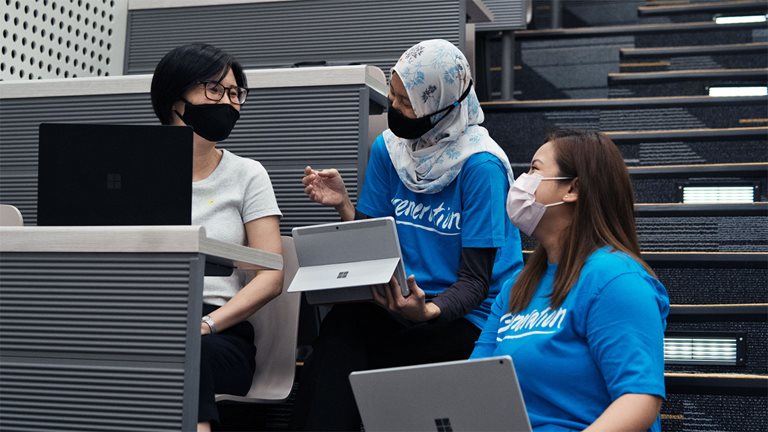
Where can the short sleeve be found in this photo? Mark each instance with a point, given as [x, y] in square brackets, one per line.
[484, 190]
[374, 197]
[258, 197]
[625, 332]
[485, 345]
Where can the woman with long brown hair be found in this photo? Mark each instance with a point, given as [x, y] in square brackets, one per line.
[584, 320]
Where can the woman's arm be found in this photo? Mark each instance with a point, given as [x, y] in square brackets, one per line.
[471, 288]
[485, 346]
[456, 301]
[630, 412]
[625, 333]
[264, 234]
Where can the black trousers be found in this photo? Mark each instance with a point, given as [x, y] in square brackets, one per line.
[227, 364]
[362, 336]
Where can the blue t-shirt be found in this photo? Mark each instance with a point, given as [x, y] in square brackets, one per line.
[433, 228]
[604, 341]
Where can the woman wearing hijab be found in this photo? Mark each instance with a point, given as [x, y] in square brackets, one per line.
[445, 182]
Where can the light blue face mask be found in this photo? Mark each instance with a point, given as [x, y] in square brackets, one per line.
[522, 208]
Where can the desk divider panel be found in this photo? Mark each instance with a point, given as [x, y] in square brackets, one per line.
[293, 118]
[277, 33]
[99, 341]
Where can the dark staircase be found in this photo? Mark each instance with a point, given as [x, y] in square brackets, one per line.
[698, 163]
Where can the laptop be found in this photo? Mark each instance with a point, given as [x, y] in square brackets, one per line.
[339, 262]
[100, 174]
[457, 396]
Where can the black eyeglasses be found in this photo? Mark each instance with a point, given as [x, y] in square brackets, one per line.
[215, 92]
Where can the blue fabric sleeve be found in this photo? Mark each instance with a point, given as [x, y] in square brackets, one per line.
[625, 332]
[484, 198]
[485, 345]
[374, 197]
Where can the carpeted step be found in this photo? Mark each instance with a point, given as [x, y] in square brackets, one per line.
[693, 146]
[727, 56]
[575, 63]
[714, 183]
[521, 127]
[677, 13]
[715, 402]
[685, 82]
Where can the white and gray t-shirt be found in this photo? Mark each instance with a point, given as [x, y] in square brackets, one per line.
[237, 191]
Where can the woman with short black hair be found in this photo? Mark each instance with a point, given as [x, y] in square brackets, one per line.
[200, 86]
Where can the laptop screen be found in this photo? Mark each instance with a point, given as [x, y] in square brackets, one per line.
[97, 174]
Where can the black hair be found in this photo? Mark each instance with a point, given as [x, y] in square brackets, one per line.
[184, 67]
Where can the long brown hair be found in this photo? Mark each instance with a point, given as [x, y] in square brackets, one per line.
[603, 214]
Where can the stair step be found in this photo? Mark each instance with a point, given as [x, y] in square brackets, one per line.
[679, 51]
[707, 383]
[574, 63]
[692, 210]
[714, 277]
[752, 73]
[697, 82]
[692, 146]
[726, 56]
[756, 169]
[630, 29]
[717, 312]
[716, 7]
[672, 227]
[505, 119]
[714, 402]
[745, 324]
[672, 183]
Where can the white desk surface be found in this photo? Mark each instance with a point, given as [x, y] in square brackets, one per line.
[367, 75]
[134, 239]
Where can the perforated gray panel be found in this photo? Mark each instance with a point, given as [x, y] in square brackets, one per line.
[274, 34]
[61, 39]
[98, 341]
[285, 129]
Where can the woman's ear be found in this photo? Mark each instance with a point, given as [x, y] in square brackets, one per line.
[573, 191]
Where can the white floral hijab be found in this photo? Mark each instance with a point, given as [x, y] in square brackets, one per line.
[435, 74]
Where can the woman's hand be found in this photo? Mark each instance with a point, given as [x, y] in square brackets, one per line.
[326, 187]
[413, 308]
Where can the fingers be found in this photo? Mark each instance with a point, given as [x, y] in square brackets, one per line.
[378, 295]
[329, 173]
[309, 177]
[391, 302]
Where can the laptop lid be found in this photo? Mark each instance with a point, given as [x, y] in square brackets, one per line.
[338, 262]
[466, 395]
[99, 174]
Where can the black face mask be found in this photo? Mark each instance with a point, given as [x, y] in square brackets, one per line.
[409, 128]
[213, 122]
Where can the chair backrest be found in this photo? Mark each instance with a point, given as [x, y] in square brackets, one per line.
[10, 216]
[275, 328]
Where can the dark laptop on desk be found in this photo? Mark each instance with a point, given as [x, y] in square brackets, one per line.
[98, 174]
